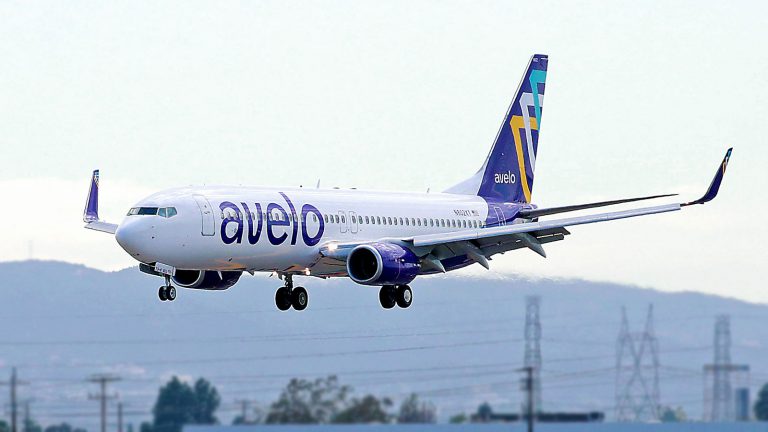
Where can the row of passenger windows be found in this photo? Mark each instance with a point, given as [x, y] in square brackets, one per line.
[165, 212]
[425, 222]
[369, 220]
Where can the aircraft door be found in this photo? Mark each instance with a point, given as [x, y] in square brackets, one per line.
[353, 222]
[342, 221]
[208, 227]
[500, 216]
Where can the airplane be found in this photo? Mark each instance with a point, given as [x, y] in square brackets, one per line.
[206, 237]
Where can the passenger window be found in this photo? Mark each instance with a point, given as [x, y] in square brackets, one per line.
[418, 221]
[401, 221]
[407, 222]
[431, 222]
[378, 220]
[366, 219]
[389, 221]
[343, 220]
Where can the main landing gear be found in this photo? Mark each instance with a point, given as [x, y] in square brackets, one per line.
[288, 296]
[167, 292]
[391, 295]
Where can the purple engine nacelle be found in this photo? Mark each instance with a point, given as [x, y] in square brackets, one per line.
[382, 264]
[206, 279]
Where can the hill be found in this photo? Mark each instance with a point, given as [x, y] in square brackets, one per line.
[458, 345]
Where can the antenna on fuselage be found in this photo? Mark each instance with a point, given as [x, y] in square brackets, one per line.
[318, 184]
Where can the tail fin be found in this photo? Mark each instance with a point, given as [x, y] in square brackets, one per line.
[507, 174]
[91, 212]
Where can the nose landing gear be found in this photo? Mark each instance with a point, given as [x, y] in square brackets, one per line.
[288, 296]
[167, 292]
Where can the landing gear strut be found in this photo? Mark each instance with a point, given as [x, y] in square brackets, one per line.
[167, 292]
[391, 295]
[288, 296]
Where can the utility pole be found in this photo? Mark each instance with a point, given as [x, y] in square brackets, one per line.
[532, 357]
[528, 388]
[13, 383]
[726, 391]
[102, 396]
[119, 417]
[27, 415]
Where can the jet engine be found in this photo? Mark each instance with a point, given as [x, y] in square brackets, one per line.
[382, 264]
[206, 279]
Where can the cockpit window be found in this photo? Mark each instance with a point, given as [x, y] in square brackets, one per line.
[148, 210]
[165, 212]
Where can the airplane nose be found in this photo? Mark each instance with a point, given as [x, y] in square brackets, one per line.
[134, 237]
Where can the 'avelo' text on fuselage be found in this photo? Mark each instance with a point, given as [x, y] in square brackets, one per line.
[243, 213]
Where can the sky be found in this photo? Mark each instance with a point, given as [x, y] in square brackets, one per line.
[642, 98]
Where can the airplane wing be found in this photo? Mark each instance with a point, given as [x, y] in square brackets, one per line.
[91, 212]
[481, 244]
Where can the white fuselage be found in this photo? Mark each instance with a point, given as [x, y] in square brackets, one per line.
[283, 229]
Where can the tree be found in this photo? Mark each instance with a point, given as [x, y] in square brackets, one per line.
[458, 418]
[307, 402]
[4, 426]
[673, 415]
[761, 406]
[207, 401]
[369, 409]
[414, 411]
[178, 404]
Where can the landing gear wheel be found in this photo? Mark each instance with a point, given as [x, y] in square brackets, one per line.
[387, 296]
[283, 299]
[299, 298]
[403, 296]
[170, 293]
[161, 293]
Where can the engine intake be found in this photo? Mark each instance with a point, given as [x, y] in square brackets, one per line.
[206, 279]
[382, 264]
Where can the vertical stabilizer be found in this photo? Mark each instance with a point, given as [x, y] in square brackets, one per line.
[507, 174]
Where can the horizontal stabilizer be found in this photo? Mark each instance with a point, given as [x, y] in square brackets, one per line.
[102, 226]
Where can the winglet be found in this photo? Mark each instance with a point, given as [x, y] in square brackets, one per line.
[91, 212]
[714, 187]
